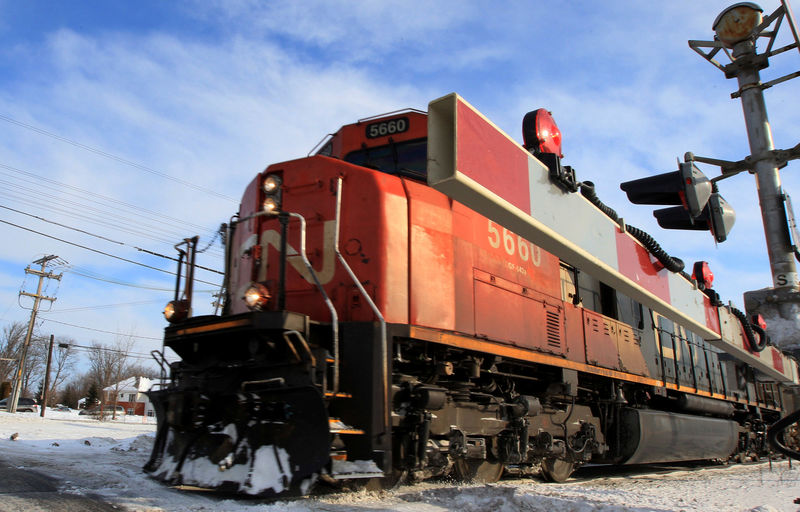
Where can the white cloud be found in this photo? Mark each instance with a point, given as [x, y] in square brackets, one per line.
[263, 82]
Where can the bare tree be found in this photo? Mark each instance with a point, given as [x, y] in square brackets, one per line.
[11, 340]
[76, 389]
[142, 370]
[72, 392]
[62, 365]
[35, 362]
[108, 365]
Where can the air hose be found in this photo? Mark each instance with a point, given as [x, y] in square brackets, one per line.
[670, 263]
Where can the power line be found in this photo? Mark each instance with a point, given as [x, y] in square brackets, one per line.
[103, 217]
[100, 330]
[89, 213]
[116, 158]
[94, 196]
[62, 225]
[132, 355]
[108, 239]
[100, 252]
[105, 306]
[72, 269]
[121, 283]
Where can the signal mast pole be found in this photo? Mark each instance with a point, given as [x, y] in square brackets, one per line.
[37, 298]
[737, 29]
[770, 194]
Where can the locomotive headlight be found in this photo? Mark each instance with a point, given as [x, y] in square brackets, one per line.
[272, 194]
[256, 296]
[271, 205]
[176, 311]
[271, 184]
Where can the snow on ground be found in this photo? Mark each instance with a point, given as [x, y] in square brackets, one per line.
[106, 458]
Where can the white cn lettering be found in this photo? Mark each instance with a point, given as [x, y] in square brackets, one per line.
[273, 238]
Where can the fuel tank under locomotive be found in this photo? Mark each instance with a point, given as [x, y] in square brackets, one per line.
[648, 436]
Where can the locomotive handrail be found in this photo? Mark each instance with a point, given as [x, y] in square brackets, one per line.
[334, 316]
[303, 344]
[161, 361]
[375, 310]
[328, 303]
[277, 380]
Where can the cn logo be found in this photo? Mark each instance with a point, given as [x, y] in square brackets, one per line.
[325, 274]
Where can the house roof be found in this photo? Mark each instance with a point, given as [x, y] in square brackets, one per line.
[130, 385]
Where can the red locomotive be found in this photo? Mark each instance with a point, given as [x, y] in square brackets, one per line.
[374, 327]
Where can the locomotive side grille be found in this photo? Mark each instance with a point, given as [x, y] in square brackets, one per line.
[593, 323]
[553, 329]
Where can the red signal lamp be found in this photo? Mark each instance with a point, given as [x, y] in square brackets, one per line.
[702, 274]
[540, 133]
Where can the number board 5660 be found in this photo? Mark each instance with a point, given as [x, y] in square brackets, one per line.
[384, 128]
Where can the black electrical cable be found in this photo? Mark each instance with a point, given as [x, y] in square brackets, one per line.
[777, 428]
[762, 334]
[588, 191]
[670, 263]
[750, 331]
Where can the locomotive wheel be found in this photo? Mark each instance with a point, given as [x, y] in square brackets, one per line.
[556, 470]
[393, 479]
[480, 471]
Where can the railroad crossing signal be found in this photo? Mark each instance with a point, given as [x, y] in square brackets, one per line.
[700, 205]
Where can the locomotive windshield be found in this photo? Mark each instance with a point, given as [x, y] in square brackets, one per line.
[408, 159]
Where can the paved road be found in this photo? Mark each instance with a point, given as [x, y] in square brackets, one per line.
[26, 490]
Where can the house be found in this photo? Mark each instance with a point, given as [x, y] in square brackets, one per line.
[130, 395]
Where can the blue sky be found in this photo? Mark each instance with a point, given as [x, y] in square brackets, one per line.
[142, 123]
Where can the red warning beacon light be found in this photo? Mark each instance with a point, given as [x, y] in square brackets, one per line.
[540, 133]
[702, 274]
[542, 138]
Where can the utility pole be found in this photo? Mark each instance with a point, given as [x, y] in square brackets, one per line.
[37, 298]
[737, 29]
[46, 387]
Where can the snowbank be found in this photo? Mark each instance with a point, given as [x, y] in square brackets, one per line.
[106, 458]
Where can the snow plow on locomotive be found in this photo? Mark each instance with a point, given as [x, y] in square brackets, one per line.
[377, 328]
